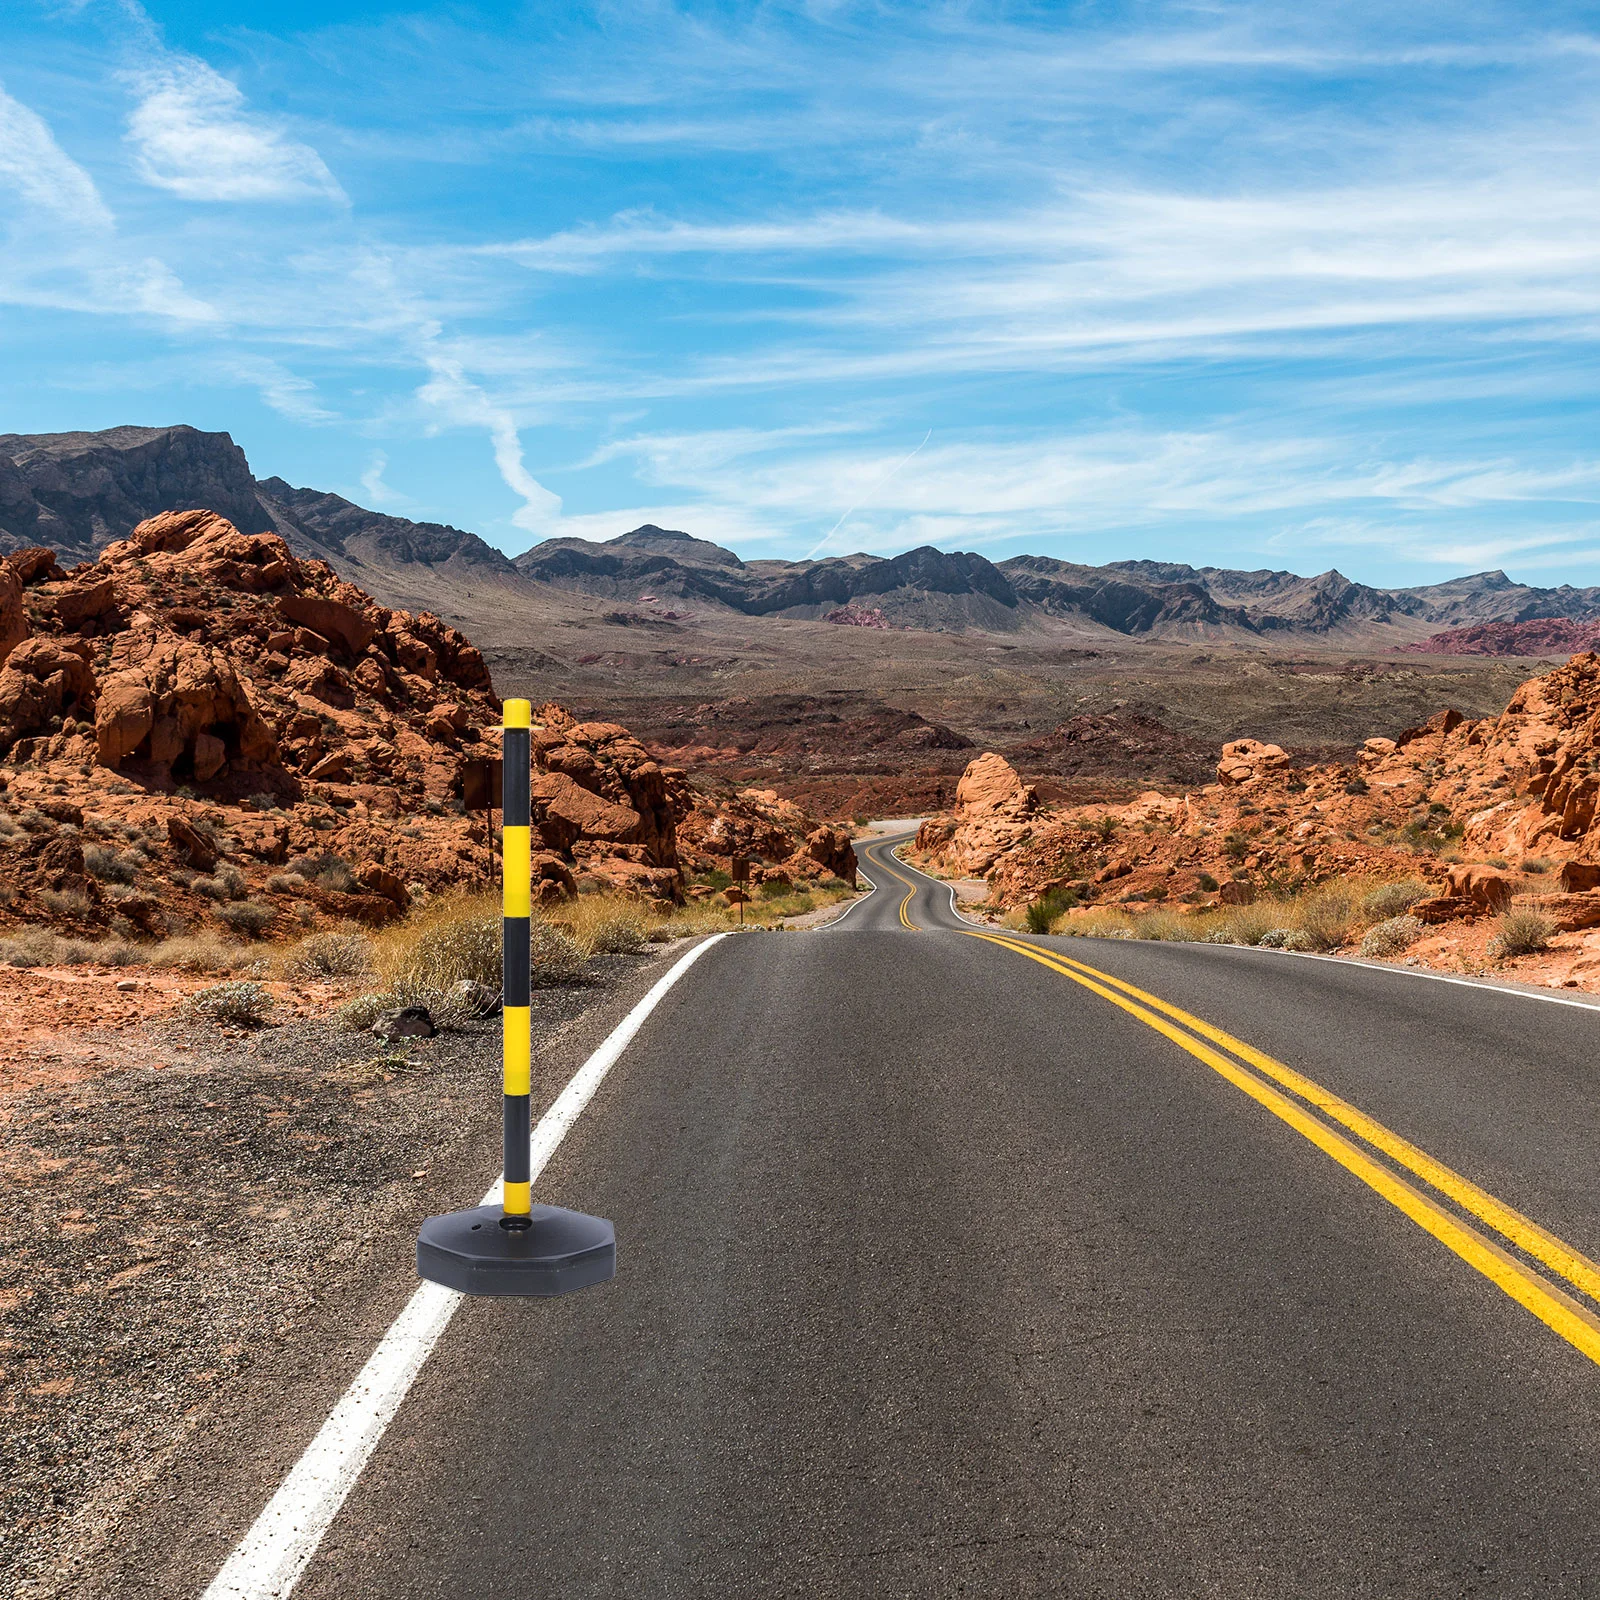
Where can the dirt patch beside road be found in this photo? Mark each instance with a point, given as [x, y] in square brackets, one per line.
[182, 1204]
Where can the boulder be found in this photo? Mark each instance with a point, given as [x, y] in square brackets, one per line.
[196, 849]
[1446, 908]
[1579, 875]
[192, 692]
[42, 679]
[13, 615]
[990, 787]
[409, 1022]
[1248, 761]
[1484, 886]
[331, 618]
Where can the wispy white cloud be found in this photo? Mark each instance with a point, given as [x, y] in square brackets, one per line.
[61, 250]
[194, 136]
[457, 400]
[378, 492]
[42, 174]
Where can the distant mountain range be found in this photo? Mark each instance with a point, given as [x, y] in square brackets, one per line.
[77, 492]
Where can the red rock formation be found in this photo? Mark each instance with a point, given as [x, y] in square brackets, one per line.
[201, 701]
[1525, 785]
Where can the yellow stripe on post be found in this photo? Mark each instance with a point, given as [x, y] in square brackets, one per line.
[518, 1201]
[516, 1027]
[516, 845]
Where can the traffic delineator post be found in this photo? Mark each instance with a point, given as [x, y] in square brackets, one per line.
[516, 1248]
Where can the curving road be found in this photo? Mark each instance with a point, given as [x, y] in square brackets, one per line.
[956, 1264]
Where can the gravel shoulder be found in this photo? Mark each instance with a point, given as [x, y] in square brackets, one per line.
[201, 1242]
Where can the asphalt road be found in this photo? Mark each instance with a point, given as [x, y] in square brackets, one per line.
[944, 1274]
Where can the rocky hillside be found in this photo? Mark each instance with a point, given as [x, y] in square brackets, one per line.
[200, 727]
[79, 492]
[1544, 636]
[1461, 802]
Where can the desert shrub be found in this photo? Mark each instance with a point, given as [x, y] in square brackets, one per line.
[605, 924]
[66, 902]
[1357, 786]
[327, 871]
[8, 825]
[1100, 925]
[35, 821]
[1521, 933]
[1245, 924]
[1536, 865]
[1208, 883]
[444, 952]
[1274, 938]
[716, 878]
[109, 867]
[242, 1002]
[799, 904]
[1236, 846]
[204, 952]
[554, 956]
[618, 936]
[264, 802]
[330, 955]
[1329, 916]
[1391, 936]
[227, 883]
[359, 1014]
[286, 883]
[772, 889]
[73, 952]
[117, 953]
[1167, 926]
[1391, 900]
[248, 917]
[29, 947]
[835, 885]
[337, 877]
[1039, 916]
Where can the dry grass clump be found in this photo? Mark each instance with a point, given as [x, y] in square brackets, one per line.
[1329, 915]
[1390, 900]
[198, 952]
[606, 924]
[1521, 933]
[342, 953]
[241, 1002]
[110, 866]
[249, 918]
[1391, 936]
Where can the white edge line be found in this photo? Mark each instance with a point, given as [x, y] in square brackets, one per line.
[1436, 977]
[1339, 961]
[268, 1562]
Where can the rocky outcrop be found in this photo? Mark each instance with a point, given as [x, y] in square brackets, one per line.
[1521, 789]
[773, 836]
[1248, 761]
[221, 720]
[992, 813]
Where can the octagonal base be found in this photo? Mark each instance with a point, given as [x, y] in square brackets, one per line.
[560, 1252]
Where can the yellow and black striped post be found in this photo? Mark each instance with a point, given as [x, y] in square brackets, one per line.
[516, 1248]
[516, 854]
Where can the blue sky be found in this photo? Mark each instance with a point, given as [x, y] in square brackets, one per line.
[1220, 283]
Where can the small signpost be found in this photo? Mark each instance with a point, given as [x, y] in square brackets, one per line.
[516, 1247]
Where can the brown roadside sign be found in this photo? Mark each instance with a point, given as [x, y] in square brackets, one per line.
[741, 869]
[480, 784]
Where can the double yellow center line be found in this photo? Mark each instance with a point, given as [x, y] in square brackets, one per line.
[1255, 1073]
[911, 890]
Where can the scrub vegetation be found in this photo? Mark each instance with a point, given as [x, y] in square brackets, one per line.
[1343, 913]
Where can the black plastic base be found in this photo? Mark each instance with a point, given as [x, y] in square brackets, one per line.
[560, 1252]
